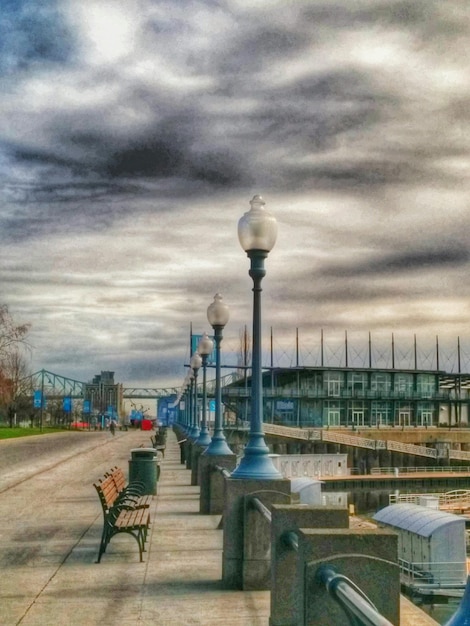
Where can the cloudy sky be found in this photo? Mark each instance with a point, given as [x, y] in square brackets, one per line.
[134, 134]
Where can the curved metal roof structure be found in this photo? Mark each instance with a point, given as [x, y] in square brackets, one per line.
[416, 519]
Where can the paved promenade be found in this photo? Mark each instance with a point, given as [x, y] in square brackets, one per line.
[50, 528]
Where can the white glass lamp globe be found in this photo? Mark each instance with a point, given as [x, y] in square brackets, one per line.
[218, 312]
[257, 228]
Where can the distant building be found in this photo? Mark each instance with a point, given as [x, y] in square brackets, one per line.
[356, 397]
[103, 396]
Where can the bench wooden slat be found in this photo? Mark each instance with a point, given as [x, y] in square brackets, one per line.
[122, 512]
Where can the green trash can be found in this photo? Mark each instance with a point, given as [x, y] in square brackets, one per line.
[143, 468]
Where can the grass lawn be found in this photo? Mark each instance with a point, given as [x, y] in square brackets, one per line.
[10, 433]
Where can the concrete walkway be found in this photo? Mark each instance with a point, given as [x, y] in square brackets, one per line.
[50, 528]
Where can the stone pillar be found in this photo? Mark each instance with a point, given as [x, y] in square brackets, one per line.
[246, 558]
[372, 460]
[286, 519]
[196, 452]
[397, 459]
[212, 482]
[368, 557]
[188, 452]
[181, 439]
[385, 458]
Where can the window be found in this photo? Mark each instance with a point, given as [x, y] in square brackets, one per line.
[404, 417]
[358, 418]
[357, 382]
[333, 383]
[333, 417]
[380, 413]
[404, 383]
[425, 385]
[381, 382]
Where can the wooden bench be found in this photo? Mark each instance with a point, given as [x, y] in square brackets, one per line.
[122, 513]
[132, 491]
[159, 441]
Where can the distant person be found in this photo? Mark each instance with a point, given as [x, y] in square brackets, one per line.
[112, 427]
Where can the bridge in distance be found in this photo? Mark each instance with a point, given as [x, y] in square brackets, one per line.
[55, 386]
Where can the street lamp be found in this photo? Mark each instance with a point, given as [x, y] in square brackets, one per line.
[218, 315]
[185, 393]
[190, 404]
[205, 347]
[195, 363]
[257, 232]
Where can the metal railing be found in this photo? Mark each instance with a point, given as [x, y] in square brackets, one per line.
[223, 470]
[357, 606]
[440, 575]
[325, 393]
[328, 436]
[417, 470]
[457, 498]
[261, 508]
[354, 602]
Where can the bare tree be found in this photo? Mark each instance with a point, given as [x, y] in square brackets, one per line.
[12, 335]
[13, 363]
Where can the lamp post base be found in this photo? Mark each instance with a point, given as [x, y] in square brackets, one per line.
[204, 439]
[194, 434]
[256, 462]
[218, 446]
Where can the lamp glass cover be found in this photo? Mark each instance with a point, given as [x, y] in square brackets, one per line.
[257, 228]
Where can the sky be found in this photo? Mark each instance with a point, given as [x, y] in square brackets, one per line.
[133, 136]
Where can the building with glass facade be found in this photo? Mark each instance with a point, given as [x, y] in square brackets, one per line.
[356, 397]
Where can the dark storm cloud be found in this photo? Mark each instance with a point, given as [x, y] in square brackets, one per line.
[130, 134]
[177, 145]
[199, 149]
[418, 16]
[401, 262]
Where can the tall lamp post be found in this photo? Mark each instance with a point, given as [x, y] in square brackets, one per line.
[190, 403]
[257, 232]
[218, 315]
[195, 363]
[186, 385]
[204, 348]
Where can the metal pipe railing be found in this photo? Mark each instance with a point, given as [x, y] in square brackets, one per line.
[259, 506]
[291, 540]
[357, 606]
[223, 470]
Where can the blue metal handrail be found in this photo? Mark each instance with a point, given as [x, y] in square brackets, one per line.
[223, 470]
[259, 506]
[356, 605]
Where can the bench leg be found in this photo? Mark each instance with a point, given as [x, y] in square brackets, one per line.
[104, 542]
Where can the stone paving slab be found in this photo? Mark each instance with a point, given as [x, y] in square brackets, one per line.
[50, 528]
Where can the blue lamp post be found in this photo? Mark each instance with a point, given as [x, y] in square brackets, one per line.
[257, 232]
[195, 363]
[218, 315]
[205, 347]
[190, 404]
[186, 387]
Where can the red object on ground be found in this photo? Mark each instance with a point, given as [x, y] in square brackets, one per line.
[146, 425]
